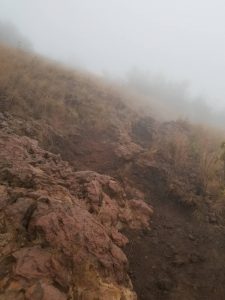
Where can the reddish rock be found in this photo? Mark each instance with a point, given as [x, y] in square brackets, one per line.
[59, 229]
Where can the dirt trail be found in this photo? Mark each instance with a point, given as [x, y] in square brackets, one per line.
[178, 258]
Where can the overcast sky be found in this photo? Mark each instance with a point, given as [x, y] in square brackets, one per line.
[183, 39]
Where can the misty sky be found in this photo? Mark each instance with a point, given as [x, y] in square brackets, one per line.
[183, 39]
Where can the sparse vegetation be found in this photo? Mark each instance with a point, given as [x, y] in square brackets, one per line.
[177, 166]
[33, 87]
[67, 100]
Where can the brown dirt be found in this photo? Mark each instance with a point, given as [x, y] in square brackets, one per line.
[179, 258]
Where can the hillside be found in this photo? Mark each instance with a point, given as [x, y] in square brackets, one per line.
[81, 171]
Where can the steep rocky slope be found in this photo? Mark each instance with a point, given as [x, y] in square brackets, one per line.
[71, 224]
[59, 235]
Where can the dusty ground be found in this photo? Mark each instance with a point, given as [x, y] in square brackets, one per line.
[181, 257]
[178, 258]
[87, 123]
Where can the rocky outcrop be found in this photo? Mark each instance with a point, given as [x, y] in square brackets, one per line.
[59, 229]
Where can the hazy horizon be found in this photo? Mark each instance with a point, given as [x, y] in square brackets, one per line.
[182, 40]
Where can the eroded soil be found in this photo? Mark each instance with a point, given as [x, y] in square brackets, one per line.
[179, 258]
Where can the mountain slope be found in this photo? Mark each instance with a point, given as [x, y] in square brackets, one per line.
[173, 166]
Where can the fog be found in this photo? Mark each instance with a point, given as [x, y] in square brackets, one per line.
[183, 41]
